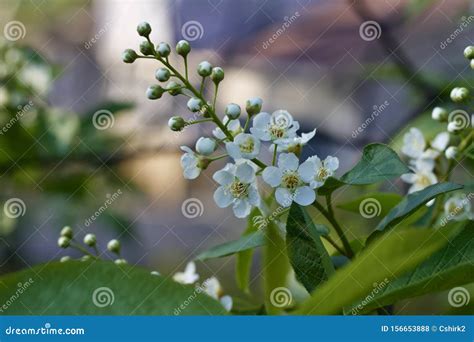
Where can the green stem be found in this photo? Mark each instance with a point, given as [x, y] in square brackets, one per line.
[82, 249]
[247, 123]
[219, 157]
[201, 88]
[198, 121]
[216, 88]
[186, 67]
[274, 155]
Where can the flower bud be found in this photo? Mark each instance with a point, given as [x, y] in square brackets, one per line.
[451, 152]
[204, 69]
[86, 258]
[65, 258]
[173, 88]
[459, 94]
[114, 246]
[205, 146]
[162, 74]
[154, 92]
[232, 110]
[64, 242]
[144, 29]
[194, 104]
[254, 106]
[439, 114]
[163, 49]
[217, 75]
[176, 123]
[90, 240]
[147, 48]
[453, 127]
[469, 52]
[67, 232]
[183, 48]
[120, 262]
[129, 56]
[472, 64]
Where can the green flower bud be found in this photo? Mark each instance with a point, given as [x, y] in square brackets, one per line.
[472, 64]
[67, 232]
[439, 114]
[469, 52]
[204, 69]
[162, 74]
[194, 104]
[173, 88]
[120, 262]
[154, 92]
[86, 258]
[459, 94]
[163, 49]
[147, 48]
[176, 123]
[217, 75]
[90, 240]
[232, 110]
[183, 48]
[129, 56]
[206, 146]
[64, 242]
[144, 29]
[452, 152]
[114, 246]
[65, 258]
[253, 106]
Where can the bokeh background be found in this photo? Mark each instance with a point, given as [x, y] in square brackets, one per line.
[311, 57]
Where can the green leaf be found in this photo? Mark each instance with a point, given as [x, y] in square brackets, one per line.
[387, 258]
[447, 268]
[84, 288]
[410, 204]
[243, 261]
[309, 258]
[378, 163]
[246, 242]
[383, 203]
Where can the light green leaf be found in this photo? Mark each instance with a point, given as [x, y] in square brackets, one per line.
[99, 288]
[309, 258]
[246, 242]
[383, 202]
[386, 258]
[449, 267]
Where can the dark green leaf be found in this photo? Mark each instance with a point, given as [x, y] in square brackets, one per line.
[306, 252]
[246, 242]
[85, 288]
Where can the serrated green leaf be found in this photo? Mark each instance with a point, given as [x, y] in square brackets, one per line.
[99, 288]
[449, 267]
[387, 258]
[308, 257]
[383, 201]
[246, 242]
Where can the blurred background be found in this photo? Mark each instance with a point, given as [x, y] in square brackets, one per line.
[81, 145]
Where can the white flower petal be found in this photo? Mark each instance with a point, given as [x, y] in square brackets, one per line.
[441, 141]
[223, 197]
[242, 208]
[261, 120]
[307, 171]
[331, 163]
[304, 195]
[413, 143]
[283, 197]
[245, 173]
[254, 196]
[191, 172]
[272, 175]
[233, 150]
[409, 178]
[223, 177]
[305, 137]
[226, 302]
[288, 161]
